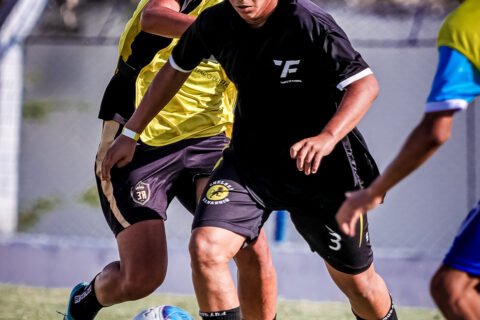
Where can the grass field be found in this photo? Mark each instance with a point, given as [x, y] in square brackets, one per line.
[19, 303]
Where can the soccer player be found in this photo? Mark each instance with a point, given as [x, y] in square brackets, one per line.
[182, 142]
[455, 287]
[302, 89]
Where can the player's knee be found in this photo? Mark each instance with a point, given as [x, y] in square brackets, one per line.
[138, 287]
[206, 253]
[140, 283]
[361, 287]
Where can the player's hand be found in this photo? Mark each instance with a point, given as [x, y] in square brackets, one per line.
[310, 151]
[355, 205]
[120, 154]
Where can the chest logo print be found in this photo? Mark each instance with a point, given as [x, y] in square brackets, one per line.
[288, 67]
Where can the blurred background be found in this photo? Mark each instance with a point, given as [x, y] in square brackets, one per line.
[56, 58]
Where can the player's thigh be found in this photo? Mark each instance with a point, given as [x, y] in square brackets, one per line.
[350, 255]
[143, 250]
[256, 253]
[464, 253]
[448, 280]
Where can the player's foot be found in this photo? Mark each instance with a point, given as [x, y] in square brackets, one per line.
[74, 308]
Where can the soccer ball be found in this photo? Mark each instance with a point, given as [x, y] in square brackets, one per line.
[164, 313]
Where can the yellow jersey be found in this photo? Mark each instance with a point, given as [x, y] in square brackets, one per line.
[203, 106]
[461, 31]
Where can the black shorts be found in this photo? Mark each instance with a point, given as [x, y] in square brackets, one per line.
[230, 204]
[144, 188]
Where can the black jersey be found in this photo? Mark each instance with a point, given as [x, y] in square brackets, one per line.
[290, 74]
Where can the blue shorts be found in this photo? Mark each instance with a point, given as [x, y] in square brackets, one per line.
[456, 82]
[464, 254]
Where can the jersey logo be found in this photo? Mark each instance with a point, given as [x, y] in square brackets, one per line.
[288, 67]
[217, 193]
[141, 193]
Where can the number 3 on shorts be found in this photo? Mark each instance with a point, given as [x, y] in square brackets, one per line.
[335, 239]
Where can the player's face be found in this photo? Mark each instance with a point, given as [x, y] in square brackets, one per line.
[254, 12]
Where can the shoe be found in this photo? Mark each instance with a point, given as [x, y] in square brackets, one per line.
[79, 287]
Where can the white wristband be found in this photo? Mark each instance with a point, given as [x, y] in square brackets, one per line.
[131, 134]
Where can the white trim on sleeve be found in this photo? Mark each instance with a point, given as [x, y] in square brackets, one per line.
[453, 104]
[176, 66]
[362, 74]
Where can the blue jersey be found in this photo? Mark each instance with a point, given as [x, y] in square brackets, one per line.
[456, 82]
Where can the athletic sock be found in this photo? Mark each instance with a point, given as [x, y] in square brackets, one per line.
[391, 314]
[84, 304]
[232, 314]
[274, 317]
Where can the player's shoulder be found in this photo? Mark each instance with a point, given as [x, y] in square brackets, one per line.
[212, 16]
[214, 9]
[313, 17]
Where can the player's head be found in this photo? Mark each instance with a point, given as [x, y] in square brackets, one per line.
[254, 12]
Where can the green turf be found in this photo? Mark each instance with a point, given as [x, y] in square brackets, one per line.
[18, 302]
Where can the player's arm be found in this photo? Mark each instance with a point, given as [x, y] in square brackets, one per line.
[432, 132]
[164, 86]
[356, 101]
[454, 86]
[163, 18]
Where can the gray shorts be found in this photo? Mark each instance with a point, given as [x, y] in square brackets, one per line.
[230, 204]
[144, 188]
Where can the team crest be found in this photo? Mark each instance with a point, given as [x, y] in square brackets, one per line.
[217, 192]
[141, 193]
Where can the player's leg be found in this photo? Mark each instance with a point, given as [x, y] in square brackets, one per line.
[130, 204]
[211, 250]
[256, 274]
[367, 293]
[455, 287]
[142, 266]
[140, 270]
[225, 218]
[257, 280]
[456, 293]
[349, 261]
